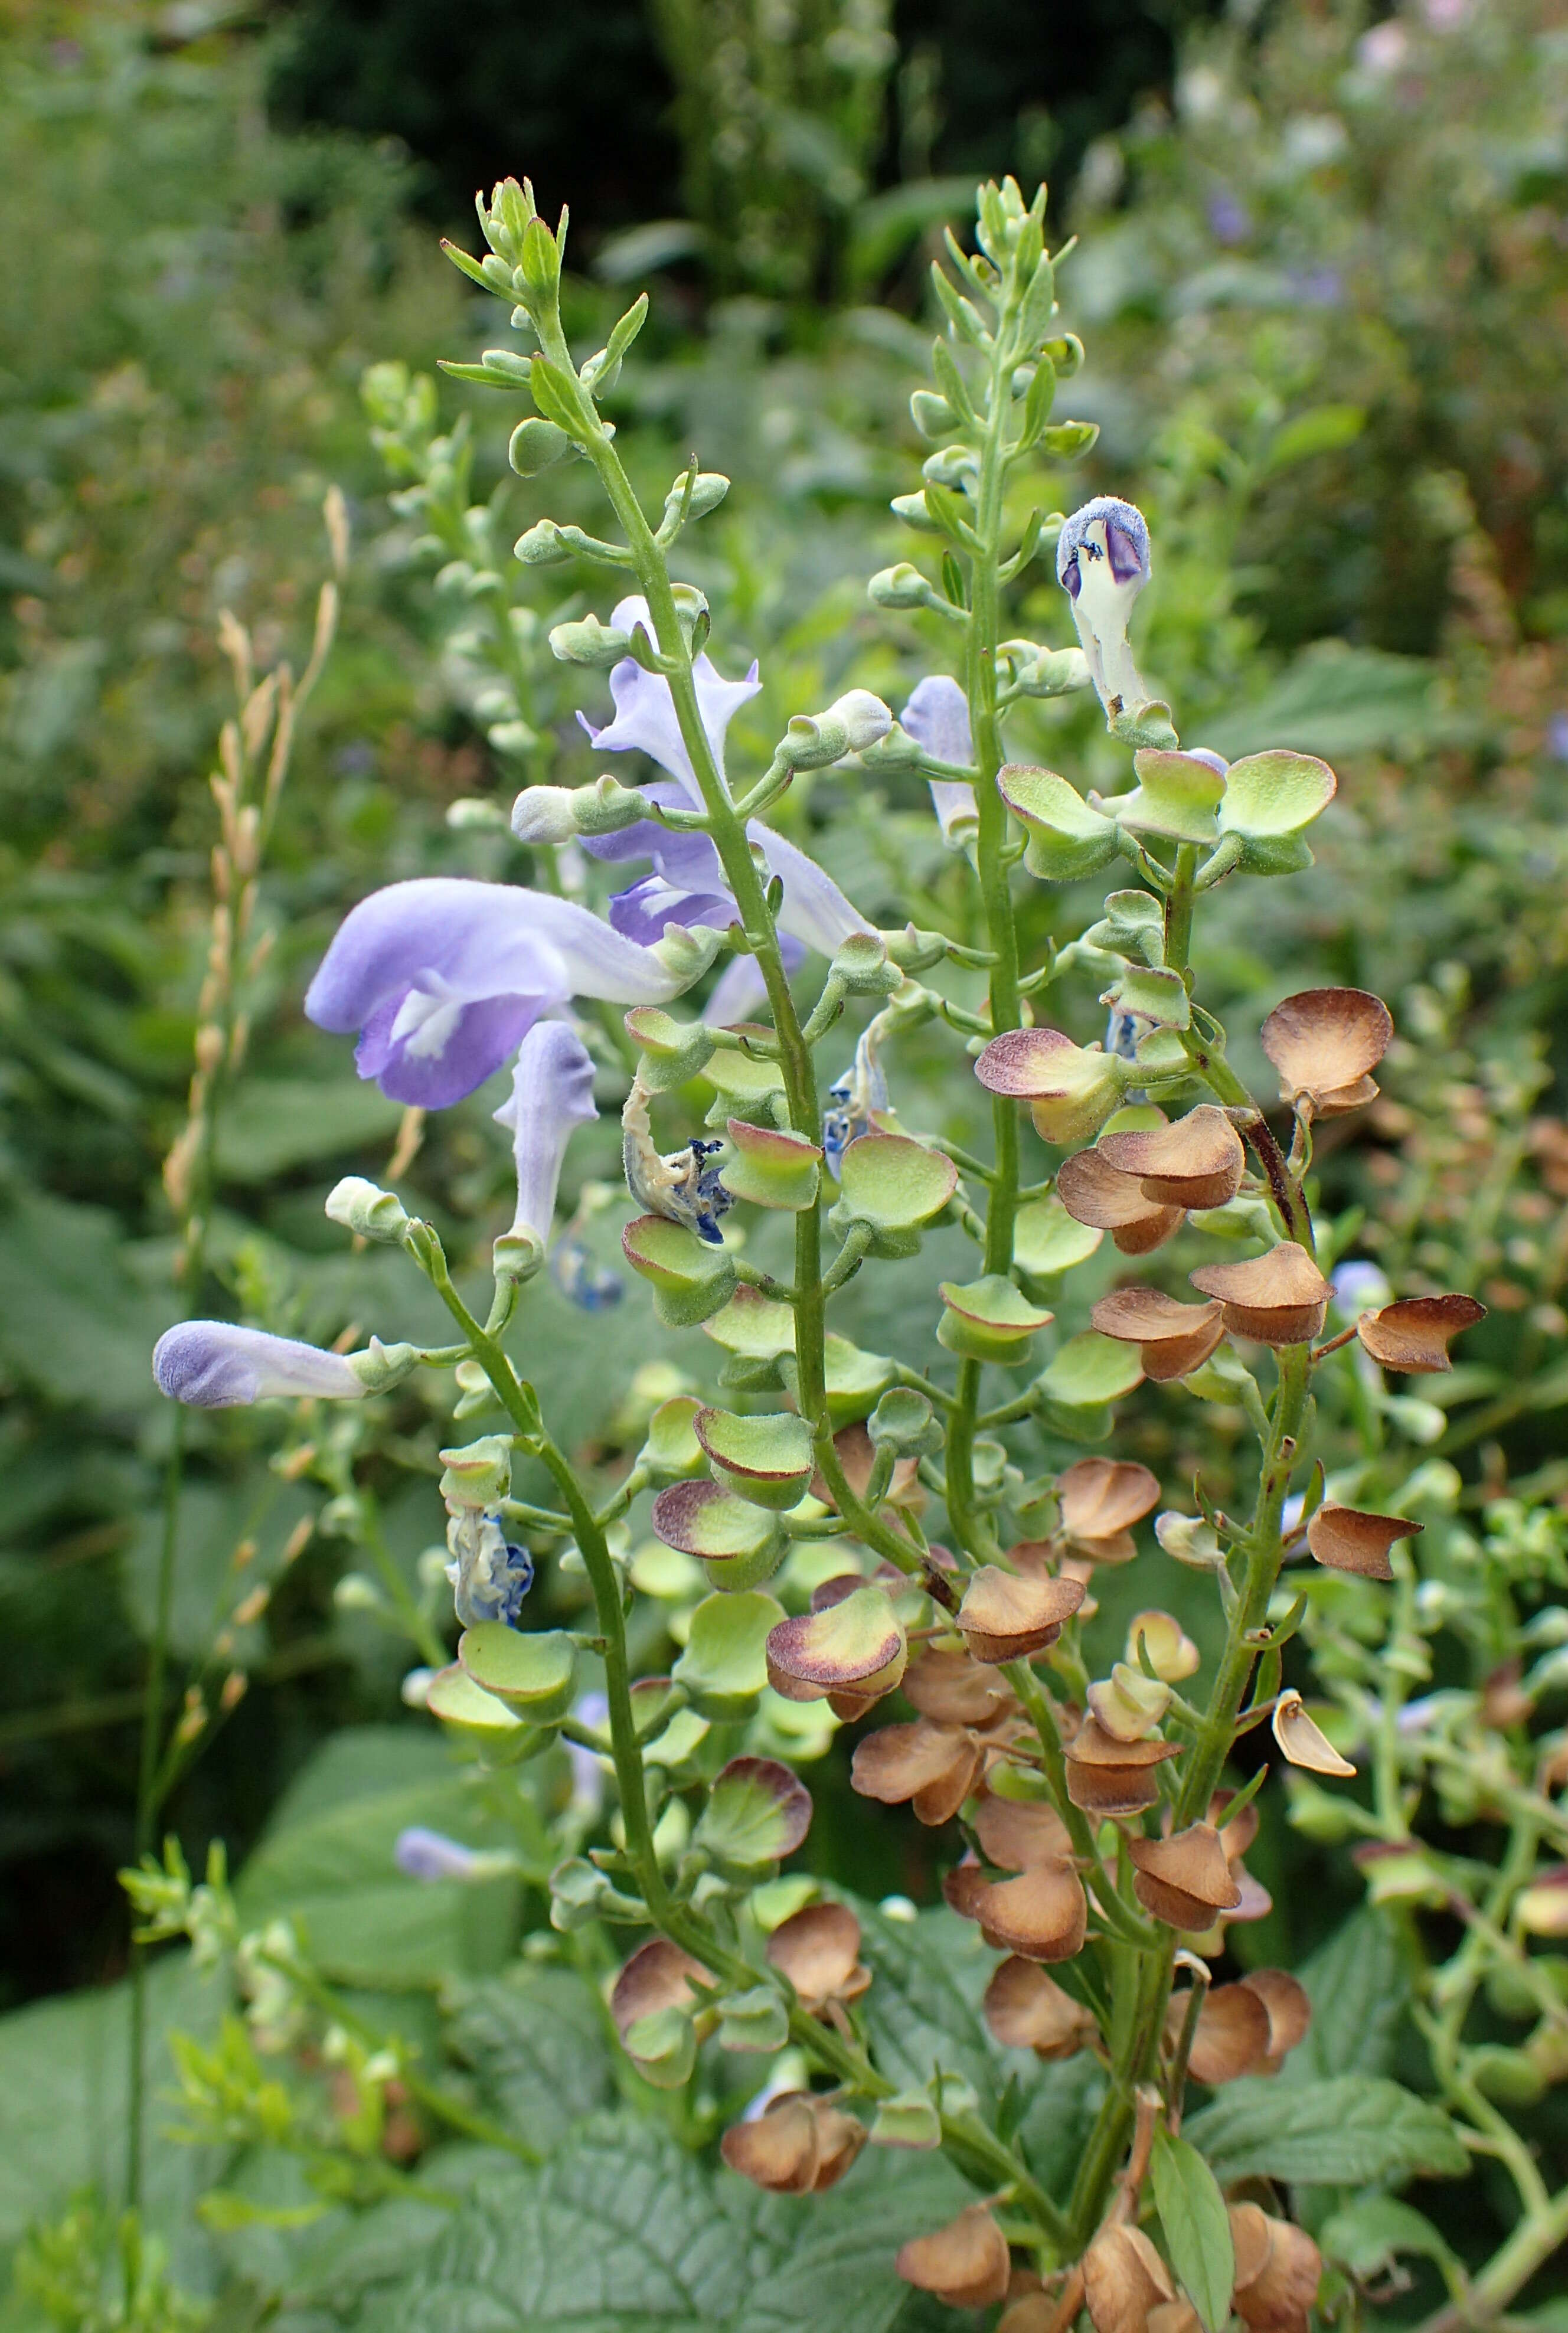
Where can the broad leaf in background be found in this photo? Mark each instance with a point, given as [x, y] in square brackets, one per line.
[327, 1863]
[535, 2041]
[1337, 2133]
[1359, 1988]
[624, 2231]
[1371, 2233]
[923, 2010]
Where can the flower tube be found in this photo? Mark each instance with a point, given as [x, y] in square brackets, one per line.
[936, 717]
[217, 1365]
[551, 1092]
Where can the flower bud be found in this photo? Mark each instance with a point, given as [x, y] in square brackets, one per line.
[517, 1256]
[589, 642]
[688, 950]
[543, 814]
[542, 545]
[539, 261]
[902, 586]
[368, 1211]
[850, 724]
[535, 445]
[708, 489]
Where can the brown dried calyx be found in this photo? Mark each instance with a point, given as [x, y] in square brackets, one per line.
[1348, 1538]
[1124, 2279]
[1326, 1043]
[1248, 2028]
[657, 1976]
[1413, 1337]
[967, 2263]
[1027, 2010]
[857, 1456]
[1006, 1615]
[1173, 1339]
[1099, 1500]
[1186, 1879]
[1278, 2269]
[1095, 1192]
[818, 1949]
[1043, 1914]
[933, 1768]
[950, 1688]
[1280, 1298]
[1196, 1162]
[1303, 1739]
[1108, 1776]
[799, 2145]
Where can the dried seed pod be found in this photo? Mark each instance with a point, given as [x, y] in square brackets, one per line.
[1348, 1538]
[1290, 2012]
[1412, 1336]
[964, 1886]
[1231, 2037]
[933, 1767]
[1280, 2298]
[1195, 1162]
[1015, 1833]
[1173, 1339]
[1250, 2240]
[799, 2144]
[1128, 1704]
[1106, 1776]
[857, 1455]
[657, 1976]
[1324, 1042]
[1101, 1499]
[1302, 1741]
[1041, 1915]
[818, 1949]
[1280, 1298]
[1025, 2010]
[1123, 2279]
[1095, 1192]
[1006, 1615]
[1172, 1655]
[951, 1689]
[1186, 1879]
[855, 1647]
[967, 2263]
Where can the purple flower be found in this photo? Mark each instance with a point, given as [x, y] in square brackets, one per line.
[688, 883]
[936, 716]
[1557, 736]
[422, 1854]
[551, 1092]
[216, 1365]
[1227, 219]
[444, 977]
[1102, 565]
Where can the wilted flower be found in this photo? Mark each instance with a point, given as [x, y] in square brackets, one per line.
[444, 977]
[490, 1576]
[1102, 564]
[936, 716]
[551, 1092]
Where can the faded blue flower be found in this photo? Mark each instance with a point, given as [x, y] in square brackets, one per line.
[1102, 565]
[422, 1854]
[489, 1575]
[217, 1365]
[444, 977]
[551, 1093]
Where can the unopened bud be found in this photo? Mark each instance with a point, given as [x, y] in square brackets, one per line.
[590, 642]
[848, 726]
[902, 586]
[708, 491]
[536, 445]
[542, 545]
[381, 1367]
[478, 1475]
[368, 1211]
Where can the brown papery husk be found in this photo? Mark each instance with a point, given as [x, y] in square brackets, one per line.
[964, 1886]
[967, 2263]
[1041, 1915]
[817, 1948]
[1412, 1336]
[656, 1977]
[1349, 1538]
[1096, 1192]
[1280, 2299]
[1006, 1615]
[1278, 1298]
[1232, 2034]
[1027, 2011]
[1123, 2279]
[1196, 1161]
[1185, 1879]
[1250, 2240]
[897, 1762]
[780, 2151]
[1108, 1777]
[1303, 1742]
[1101, 1498]
[1289, 2008]
[1324, 1042]
[1014, 1833]
[954, 1690]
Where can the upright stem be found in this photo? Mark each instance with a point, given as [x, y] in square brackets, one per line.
[147, 1803]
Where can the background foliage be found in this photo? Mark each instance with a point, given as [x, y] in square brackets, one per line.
[1325, 283]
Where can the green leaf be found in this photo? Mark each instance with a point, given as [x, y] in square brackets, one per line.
[923, 2010]
[1336, 2134]
[271, 1125]
[627, 2233]
[533, 1672]
[1360, 1987]
[1370, 2232]
[1322, 429]
[1196, 2226]
[73, 1321]
[535, 2041]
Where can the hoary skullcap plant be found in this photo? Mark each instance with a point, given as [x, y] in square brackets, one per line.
[1083, 1815]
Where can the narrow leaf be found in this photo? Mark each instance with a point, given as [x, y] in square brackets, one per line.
[1196, 2226]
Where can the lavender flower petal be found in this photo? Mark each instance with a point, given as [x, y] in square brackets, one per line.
[815, 909]
[645, 716]
[551, 1092]
[936, 716]
[422, 1854]
[217, 1365]
[643, 911]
